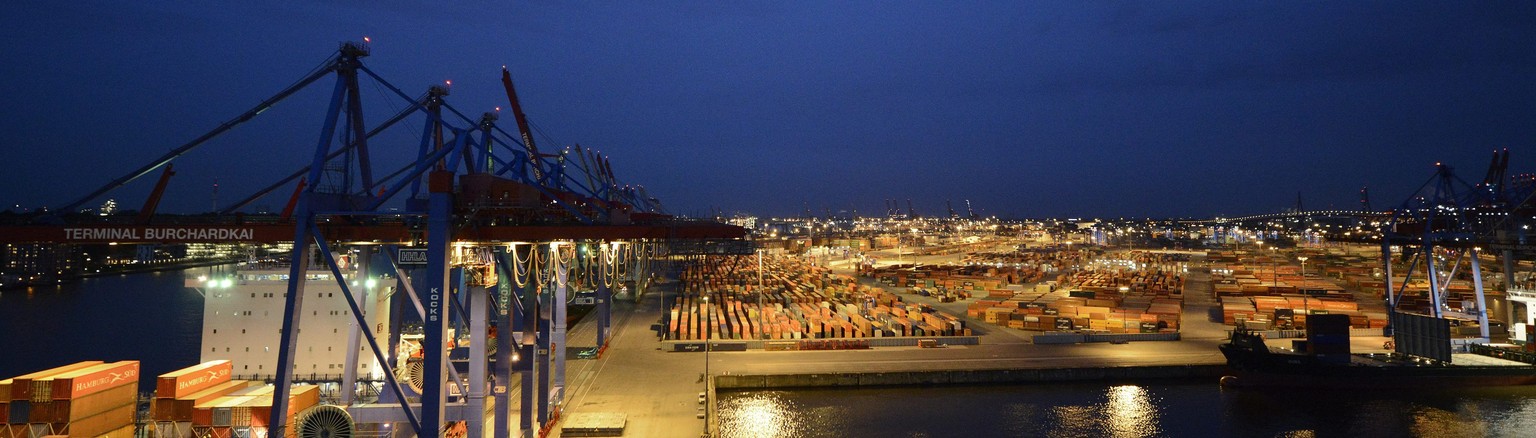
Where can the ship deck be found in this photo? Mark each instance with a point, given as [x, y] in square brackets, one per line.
[1457, 359]
[1480, 360]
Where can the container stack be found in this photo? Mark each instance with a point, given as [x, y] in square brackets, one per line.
[1138, 283]
[957, 282]
[1263, 291]
[1328, 338]
[796, 301]
[246, 412]
[1110, 300]
[92, 399]
[16, 398]
[1112, 314]
[178, 391]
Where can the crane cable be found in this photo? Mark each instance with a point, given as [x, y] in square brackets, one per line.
[521, 274]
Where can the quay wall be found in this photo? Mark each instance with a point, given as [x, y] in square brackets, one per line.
[964, 377]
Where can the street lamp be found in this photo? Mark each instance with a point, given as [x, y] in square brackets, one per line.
[706, 371]
[1303, 266]
[706, 344]
[1274, 268]
[760, 291]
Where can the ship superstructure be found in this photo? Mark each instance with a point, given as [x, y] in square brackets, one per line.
[243, 315]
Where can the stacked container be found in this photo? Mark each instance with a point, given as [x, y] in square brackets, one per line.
[799, 301]
[91, 399]
[178, 391]
[247, 412]
[1328, 338]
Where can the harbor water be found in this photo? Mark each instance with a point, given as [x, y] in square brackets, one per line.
[1175, 409]
[149, 317]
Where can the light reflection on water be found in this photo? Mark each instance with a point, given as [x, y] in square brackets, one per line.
[763, 414]
[1159, 409]
[1120, 411]
[1130, 412]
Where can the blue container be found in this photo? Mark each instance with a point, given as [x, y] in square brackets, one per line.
[21, 411]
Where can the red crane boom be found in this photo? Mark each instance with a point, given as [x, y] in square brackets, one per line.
[522, 120]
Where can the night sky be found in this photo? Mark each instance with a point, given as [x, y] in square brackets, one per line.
[1050, 109]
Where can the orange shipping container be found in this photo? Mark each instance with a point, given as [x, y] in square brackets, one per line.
[88, 381]
[102, 423]
[190, 380]
[125, 432]
[72, 410]
[21, 386]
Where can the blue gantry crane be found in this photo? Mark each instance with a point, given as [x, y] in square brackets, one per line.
[494, 238]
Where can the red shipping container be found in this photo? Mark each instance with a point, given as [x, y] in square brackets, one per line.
[41, 412]
[21, 386]
[95, 379]
[190, 380]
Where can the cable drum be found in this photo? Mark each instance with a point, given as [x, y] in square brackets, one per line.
[325, 421]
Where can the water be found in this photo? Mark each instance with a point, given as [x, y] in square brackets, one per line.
[148, 317]
[1182, 408]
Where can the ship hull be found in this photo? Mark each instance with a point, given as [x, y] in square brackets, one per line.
[1266, 369]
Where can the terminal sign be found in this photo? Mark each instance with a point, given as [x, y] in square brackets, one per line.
[413, 256]
[158, 233]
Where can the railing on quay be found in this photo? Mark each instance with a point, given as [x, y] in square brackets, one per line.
[1503, 353]
[302, 378]
[720, 345]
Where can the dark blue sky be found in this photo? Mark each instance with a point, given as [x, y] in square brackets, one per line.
[1025, 108]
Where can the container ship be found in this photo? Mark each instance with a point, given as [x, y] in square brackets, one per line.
[1324, 360]
[243, 316]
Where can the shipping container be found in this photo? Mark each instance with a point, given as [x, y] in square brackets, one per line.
[71, 410]
[190, 380]
[21, 411]
[88, 381]
[217, 412]
[102, 423]
[180, 409]
[257, 411]
[125, 432]
[172, 429]
[21, 386]
[42, 412]
[219, 415]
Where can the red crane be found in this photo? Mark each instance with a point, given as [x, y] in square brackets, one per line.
[522, 121]
[154, 196]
